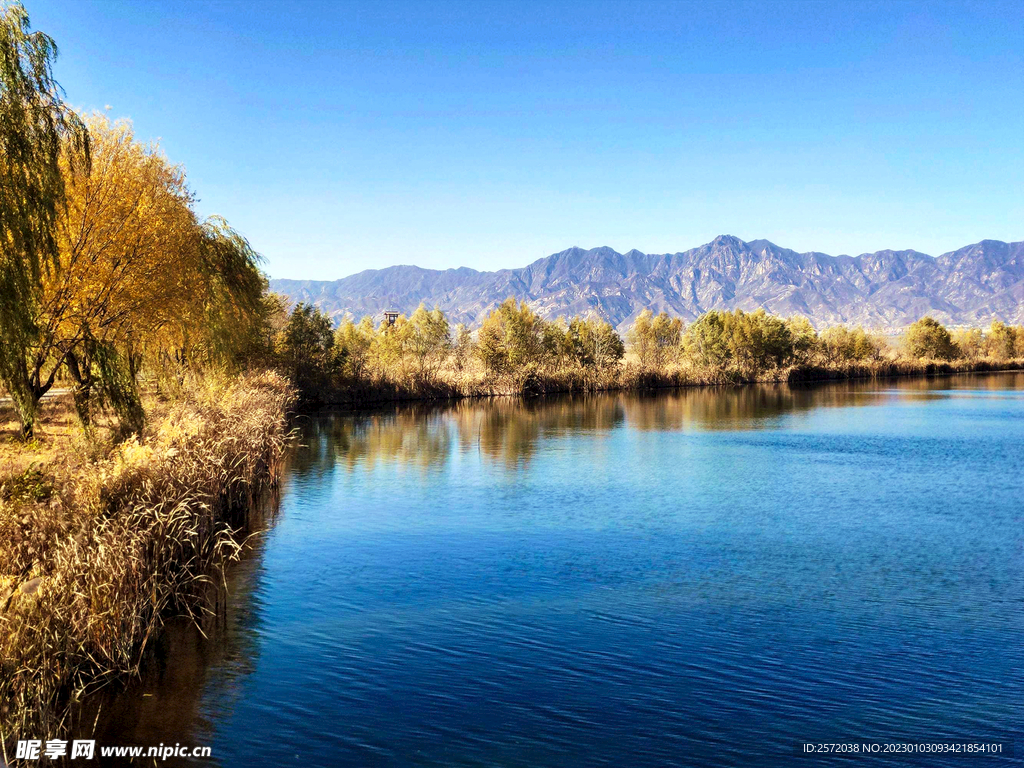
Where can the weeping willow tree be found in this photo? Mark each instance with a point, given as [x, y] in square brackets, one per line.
[231, 297]
[102, 258]
[126, 242]
[36, 127]
[137, 276]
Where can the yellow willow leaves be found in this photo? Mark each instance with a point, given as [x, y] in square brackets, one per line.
[129, 253]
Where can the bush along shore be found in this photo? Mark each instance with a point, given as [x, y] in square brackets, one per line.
[96, 551]
[516, 352]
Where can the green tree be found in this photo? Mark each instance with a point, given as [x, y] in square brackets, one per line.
[867, 346]
[555, 343]
[511, 337]
[707, 339]
[307, 348]
[353, 343]
[970, 342]
[232, 293]
[389, 344]
[428, 339]
[1001, 342]
[748, 341]
[592, 343]
[655, 339]
[840, 344]
[758, 341]
[463, 348]
[35, 128]
[805, 338]
[928, 338]
[419, 344]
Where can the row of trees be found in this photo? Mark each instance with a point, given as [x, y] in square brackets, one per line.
[418, 348]
[106, 271]
[514, 340]
[104, 265]
[928, 338]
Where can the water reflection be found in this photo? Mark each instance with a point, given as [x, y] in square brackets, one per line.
[192, 675]
[506, 431]
[413, 435]
[668, 573]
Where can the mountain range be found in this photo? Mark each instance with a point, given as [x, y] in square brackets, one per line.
[885, 291]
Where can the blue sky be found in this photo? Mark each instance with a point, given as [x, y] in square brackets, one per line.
[345, 136]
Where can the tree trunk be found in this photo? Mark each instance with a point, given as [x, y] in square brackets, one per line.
[81, 372]
[23, 397]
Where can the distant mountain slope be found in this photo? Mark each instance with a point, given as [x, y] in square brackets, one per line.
[886, 290]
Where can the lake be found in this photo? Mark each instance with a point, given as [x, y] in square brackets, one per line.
[693, 577]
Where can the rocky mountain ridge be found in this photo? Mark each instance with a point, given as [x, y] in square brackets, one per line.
[886, 290]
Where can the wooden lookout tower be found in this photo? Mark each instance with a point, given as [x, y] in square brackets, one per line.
[390, 316]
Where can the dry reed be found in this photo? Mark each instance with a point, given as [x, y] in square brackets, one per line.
[97, 555]
[448, 383]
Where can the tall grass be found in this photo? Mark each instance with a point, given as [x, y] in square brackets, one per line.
[451, 383]
[93, 564]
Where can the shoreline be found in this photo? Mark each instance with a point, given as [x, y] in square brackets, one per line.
[656, 381]
[176, 509]
[101, 551]
[235, 503]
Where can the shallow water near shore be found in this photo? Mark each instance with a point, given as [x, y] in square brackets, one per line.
[692, 577]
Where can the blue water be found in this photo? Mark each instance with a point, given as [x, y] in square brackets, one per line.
[706, 577]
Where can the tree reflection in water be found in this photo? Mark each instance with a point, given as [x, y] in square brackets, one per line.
[506, 430]
[193, 680]
[191, 674]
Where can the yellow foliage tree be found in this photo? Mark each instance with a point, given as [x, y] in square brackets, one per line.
[655, 339]
[136, 272]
